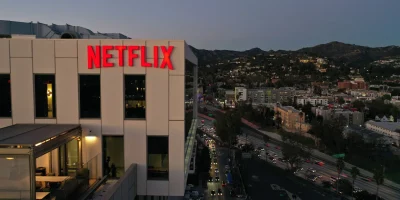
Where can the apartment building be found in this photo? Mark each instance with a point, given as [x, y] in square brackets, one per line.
[314, 101]
[293, 120]
[352, 117]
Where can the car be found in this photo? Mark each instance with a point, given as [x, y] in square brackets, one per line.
[308, 161]
[366, 179]
[267, 145]
[215, 161]
[277, 147]
[227, 167]
[223, 183]
[216, 179]
[216, 170]
[210, 179]
[311, 170]
[219, 192]
[212, 192]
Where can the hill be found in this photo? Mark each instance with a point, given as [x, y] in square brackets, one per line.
[336, 51]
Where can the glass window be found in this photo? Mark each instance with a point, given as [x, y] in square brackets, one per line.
[189, 91]
[113, 152]
[135, 96]
[5, 95]
[45, 95]
[15, 177]
[89, 96]
[157, 158]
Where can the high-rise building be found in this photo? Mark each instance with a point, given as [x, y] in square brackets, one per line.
[73, 108]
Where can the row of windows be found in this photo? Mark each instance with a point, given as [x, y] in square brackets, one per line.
[157, 156]
[89, 96]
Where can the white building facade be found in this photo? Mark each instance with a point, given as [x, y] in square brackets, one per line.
[88, 80]
[388, 129]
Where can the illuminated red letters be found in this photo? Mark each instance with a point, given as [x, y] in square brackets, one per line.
[99, 56]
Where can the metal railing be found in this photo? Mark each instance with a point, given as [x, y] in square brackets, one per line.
[189, 145]
[92, 167]
[125, 187]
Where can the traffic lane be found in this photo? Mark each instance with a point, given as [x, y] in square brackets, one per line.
[215, 185]
[222, 156]
[329, 170]
[268, 174]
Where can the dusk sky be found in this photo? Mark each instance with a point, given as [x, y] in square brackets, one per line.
[225, 24]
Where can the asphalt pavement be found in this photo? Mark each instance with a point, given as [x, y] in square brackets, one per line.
[325, 171]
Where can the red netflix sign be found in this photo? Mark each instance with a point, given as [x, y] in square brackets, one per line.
[99, 56]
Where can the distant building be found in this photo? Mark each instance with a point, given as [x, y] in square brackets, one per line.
[240, 94]
[367, 95]
[229, 96]
[352, 118]
[314, 101]
[359, 84]
[389, 129]
[292, 120]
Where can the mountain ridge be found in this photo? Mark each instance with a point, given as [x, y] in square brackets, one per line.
[348, 53]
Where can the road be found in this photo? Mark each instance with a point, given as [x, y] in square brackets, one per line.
[326, 171]
[222, 160]
[263, 180]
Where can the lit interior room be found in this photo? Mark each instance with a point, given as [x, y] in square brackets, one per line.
[43, 160]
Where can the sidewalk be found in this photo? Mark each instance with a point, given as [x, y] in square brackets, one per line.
[316, 153]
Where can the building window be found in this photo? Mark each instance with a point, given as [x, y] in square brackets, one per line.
[89, 96]
[189, 96]
[5, 95]
[135, 96]
[113, 152]
[157, 158]
[45, 95]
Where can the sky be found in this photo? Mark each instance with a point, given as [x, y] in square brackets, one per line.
[225, 24]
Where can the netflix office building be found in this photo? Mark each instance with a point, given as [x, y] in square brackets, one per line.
[81, 109]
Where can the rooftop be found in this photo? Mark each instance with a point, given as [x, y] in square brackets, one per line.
[392, 126]
[53, 31]
[32, 134]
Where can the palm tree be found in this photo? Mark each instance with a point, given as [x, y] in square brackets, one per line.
[339, 167]
[379, 176]
[354, 173]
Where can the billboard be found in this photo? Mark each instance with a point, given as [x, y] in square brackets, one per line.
[240, 94]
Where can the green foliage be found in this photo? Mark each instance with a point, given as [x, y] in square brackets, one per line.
[228, 125]
[379, 108]
[203, 160]
[345, 186]
[326, 184]
[341, 100]
[359, 105]
[297, 139]
[354, 173]
[295, 154]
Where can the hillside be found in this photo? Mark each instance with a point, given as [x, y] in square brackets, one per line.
[337, 51]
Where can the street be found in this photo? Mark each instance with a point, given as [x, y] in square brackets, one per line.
[326, 171]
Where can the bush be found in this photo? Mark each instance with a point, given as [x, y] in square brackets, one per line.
[345, 186]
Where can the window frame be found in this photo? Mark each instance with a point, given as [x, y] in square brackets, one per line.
[79, 95]
[147, 158]
[34, 95]
[145, 96]
[9, 78]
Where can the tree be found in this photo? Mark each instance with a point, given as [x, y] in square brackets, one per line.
[294, 154]
[339, 168]
[204, 160]
[359, 105]
[387, 97]
[354, 173]
[341, 100]
[379, 176]
[228, 126]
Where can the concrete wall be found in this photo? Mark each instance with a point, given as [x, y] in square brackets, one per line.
[67, 59]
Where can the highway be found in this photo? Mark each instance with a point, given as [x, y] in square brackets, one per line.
[325, 171]
[221, 156]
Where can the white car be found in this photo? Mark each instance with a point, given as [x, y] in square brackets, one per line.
[312, 170]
